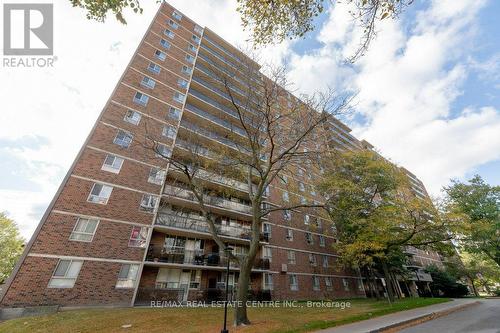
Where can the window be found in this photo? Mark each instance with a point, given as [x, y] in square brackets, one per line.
[169, 131]
[285, 196]
[306, 219]
[138, 237]
[268, 253]
[148, 82]
[160, 55]
[315, 282]
[294, 282]
[173, 24]
[163, 151]
[65, 274]
[154, 68]
[328, 283]
[287, 215]
[302, 188]
[169, 33]
[182, 83]
[84, 230]
[319, 225]
[322, 240]
[192, 48]
[303, 200]
[312, 259]
[325, 261]
[195, 39]
[195, 281]
[313, 191]
[178, 97]
[189, 58]
[291, 257]
[100, 194]
[174, 113]
[132, 117]
[198, 29]
[345, 283]
[141, 99]
[309, 238]
[284, 180]
[156, 176]
[289, 235]
[301, 172]
[267, 229]
[176, 15]
[148, 203]
[268, 281]
[123, 138]
[127, 276]
[112, 163]
[187, 70]
[165, 44]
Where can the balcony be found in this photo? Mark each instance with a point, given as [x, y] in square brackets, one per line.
[147, 295]
[214, 201]
[176, 221]
[196, 258]
[226, 124]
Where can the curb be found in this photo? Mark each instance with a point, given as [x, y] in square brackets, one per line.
[421, 319]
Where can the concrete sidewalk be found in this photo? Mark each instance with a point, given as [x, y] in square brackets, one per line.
[390, 321]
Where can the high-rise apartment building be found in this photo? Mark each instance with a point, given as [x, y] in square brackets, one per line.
[120, 232]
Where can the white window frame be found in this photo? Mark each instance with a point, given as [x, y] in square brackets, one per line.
[329, 283]
[285, 196]
[312, 259]
[148, 82]
[186, 70]
[125, 143]
[176, 15]
[169, 33]
[189, 58]
[154, 68]
[173, 111]
[289, 235]
[165, 44]
[294, 282]
[169, 131]
[325, 262]
[182, 83]
[345, 283]
[112, 168]
[132, 117]
[316, 283]
[75, 234]
[160, 55]
[178, 97]
[130, 281]
[163, 148]
[198, 29]
[322, 241]
[268, 281]
[143, 100]
[151, 199]
[156, 176]
[309, 241]
[173, 24]
[307, 218]
[70, 279]
[291, 258]
[100, 200]
[132, 242]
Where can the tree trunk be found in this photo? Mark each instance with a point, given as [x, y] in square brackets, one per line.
[240, 313]
[374, 285]
[476, 293]
[388, 281]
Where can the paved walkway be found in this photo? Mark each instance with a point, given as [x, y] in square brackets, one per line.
[394, 318]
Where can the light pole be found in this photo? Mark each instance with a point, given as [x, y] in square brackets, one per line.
[228, 251]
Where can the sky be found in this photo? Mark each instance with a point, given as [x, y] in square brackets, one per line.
[427, 91]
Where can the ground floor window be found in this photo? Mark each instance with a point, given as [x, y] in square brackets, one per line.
[65, 274]
[127, 276]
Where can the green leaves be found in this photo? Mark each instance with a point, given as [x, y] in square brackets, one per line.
[11, 246]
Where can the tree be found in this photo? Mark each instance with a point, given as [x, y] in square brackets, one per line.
[273, 21]
[481, 270]
[263, 134]
[478, 204]
[11, 246]
[445, 284]
[375, 212]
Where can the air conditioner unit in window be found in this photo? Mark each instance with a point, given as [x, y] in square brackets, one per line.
[284, 268]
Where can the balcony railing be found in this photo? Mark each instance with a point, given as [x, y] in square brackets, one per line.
[211, 200]
[215, 119]
[148, 295]
[185, 223]
[196, 257]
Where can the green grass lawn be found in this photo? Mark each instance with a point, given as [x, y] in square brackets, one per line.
[186, 320]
